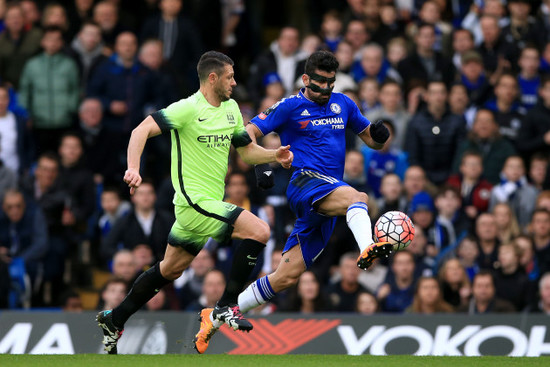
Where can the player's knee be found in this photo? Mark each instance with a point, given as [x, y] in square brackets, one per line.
[172, 271]
[261, 232]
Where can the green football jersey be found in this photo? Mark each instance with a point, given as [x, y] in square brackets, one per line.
[201, 137]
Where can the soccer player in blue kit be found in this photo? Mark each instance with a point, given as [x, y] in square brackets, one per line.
[313, 122]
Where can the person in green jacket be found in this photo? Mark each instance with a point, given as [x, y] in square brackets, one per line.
[49, 89]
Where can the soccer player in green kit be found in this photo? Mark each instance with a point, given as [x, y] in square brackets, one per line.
[202, 127]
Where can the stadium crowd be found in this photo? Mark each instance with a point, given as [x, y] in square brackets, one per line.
[463, 85]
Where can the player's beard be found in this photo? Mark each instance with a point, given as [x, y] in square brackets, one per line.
[320, 98]
[223, 94]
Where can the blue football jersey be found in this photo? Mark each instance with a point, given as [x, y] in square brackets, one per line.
[315, 133]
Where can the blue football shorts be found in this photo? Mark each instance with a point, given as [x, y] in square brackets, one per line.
[311, 230]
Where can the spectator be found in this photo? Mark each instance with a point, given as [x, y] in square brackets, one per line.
[77, 182]
[23, 233]
[344, 55]
[397, 294]
[87, 51]
[511, 282]
[515, 190]
[273, 86]
[144, 258]
[487, 240]
[473, 77]
[15, 144]
[493, 50]
[535, 133]
[422, 213]
[430, 13]
[368, 95]
[391, 108]
[50, 90]
[212, 290]
[434, 135]
[475, 190]
[425, 63]
[424, 263]
[384, 161]
[522, 28]
[124, 266]
[54, 15]
[79, 12]
[356, 35]
[450, 223]
[283, 57]
[105, 14]
[463, 41]
[543, 306]
[468, 253]
[459, 104]
[17, 45]
[124, 86]
[366, 304]
[538, 168]
[414, 181]
[159, 302]
[529, 79]
[428, 298]
[354, 171]
[331, 30]
[113, 209]
[485, 139]
[32, 13]
[472, 21]
[483, 299]
[506, 109]
[44, 189]
[371, 65]
[396, 51]
[455, 284]
[540, 226]
[142, 225]
[507, 224]
[98, 143]
[190, 285]
[181, 43]
[343, 81]
[307, 296]
[527, 259]
[112, 294]
[343, 294]
[390, 27]
[71, 302]
[391, 199]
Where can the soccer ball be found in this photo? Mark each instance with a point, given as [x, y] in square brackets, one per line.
[396, 228]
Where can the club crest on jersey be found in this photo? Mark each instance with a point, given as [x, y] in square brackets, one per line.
[335, 107]
[230, 118]
[263, 115]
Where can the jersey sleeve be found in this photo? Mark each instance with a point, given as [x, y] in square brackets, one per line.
[272, 118]
[240, 135]
[175, 116]
[357, 122]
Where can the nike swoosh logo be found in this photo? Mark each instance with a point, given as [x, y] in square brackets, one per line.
[250, 257]
[201, 120]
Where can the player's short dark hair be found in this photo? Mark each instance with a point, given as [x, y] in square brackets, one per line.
[321, 60]
[212, 62]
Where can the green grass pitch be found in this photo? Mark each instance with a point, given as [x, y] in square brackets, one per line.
[96, 360]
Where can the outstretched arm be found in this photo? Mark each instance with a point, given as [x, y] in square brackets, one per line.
[255, 154]
[147, 129]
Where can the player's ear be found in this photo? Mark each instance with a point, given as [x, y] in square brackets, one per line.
[212, 78]
[305, 79]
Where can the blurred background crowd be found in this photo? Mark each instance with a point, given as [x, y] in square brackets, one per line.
[463, 86]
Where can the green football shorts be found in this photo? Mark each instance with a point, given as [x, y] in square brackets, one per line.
[195, 224]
